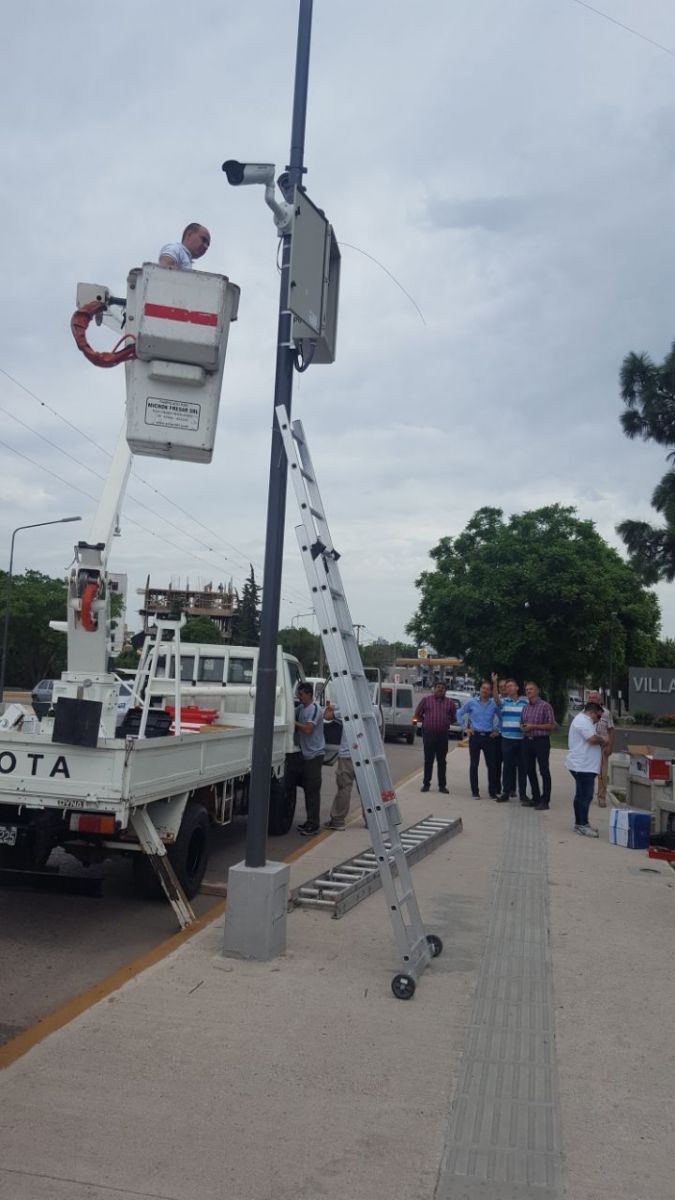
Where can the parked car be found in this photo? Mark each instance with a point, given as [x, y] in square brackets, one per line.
[319, 685]
[42, 697]
[460, 698]
[43, 691]
[398, 707]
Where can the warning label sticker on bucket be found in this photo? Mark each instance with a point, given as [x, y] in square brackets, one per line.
[172, 414]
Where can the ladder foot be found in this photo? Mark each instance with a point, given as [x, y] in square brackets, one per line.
[403, 987]
[435, 945]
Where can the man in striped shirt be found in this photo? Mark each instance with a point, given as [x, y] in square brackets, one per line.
[436, 713]
[511, 706]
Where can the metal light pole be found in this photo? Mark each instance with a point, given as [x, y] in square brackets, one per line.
[266, 677]
[298, 615]
[8, 594]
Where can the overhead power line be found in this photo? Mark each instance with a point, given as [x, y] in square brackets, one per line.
[628, 28]
[241, 554]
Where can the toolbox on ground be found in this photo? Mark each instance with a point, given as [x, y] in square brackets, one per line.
[630, 828]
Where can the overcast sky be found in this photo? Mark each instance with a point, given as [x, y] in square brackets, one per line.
[510, 162]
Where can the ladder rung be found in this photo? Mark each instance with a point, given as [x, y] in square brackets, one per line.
[306, 475]
[317, 513]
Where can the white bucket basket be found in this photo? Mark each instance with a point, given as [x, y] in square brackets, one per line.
[181, 321]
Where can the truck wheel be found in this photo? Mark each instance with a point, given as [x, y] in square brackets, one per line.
[188, 857]
[282, 807]
[410, 738]
[32, 852]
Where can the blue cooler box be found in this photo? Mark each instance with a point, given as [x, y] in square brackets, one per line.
[629, 827]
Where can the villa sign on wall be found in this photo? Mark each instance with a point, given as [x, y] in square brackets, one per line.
[651, 690]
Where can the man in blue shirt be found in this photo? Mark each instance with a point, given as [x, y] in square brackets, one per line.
[511, 706]
[484, 726]
[309, 734]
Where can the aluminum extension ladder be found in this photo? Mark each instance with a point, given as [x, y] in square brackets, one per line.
[378, 797]
[340, 888]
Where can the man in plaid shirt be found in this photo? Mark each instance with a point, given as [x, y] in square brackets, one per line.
[537, 720]
[436, 713]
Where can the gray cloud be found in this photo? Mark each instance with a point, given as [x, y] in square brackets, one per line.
[535, 237]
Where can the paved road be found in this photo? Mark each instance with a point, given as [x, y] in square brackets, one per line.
[55, 946]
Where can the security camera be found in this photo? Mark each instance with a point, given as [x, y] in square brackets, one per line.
[242, 173]
[239, 173]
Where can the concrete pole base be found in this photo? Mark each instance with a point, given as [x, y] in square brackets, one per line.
[255, 914]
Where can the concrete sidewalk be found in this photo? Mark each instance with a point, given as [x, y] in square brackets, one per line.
[534, 1060]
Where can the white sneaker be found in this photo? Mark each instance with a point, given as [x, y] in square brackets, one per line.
[586, 831]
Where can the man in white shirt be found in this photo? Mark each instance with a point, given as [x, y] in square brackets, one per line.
[178, 256]
[583, 762]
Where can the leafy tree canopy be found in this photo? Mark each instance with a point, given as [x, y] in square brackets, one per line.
[384, 654]
[34, 651]
[534, 597]
[201, 629]
[304, 645]
[648, 391]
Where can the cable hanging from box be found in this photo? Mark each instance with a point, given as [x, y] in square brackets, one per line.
[79, 324]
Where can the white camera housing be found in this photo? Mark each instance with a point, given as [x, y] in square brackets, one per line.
[239, 173]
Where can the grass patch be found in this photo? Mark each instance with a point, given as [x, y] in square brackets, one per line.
[559, 738]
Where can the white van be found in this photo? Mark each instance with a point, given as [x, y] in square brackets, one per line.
[398, 707]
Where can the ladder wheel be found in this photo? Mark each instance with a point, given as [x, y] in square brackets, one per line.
[435, 945]
[403, 987]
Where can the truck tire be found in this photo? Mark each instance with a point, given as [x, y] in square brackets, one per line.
[282, 807]
[188, 857]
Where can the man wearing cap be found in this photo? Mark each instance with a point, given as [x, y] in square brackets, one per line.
[178, 256]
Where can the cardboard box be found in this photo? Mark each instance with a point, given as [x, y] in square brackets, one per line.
[629, 828]
[650, 762]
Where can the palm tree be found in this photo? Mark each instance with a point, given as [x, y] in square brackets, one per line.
[648, 391]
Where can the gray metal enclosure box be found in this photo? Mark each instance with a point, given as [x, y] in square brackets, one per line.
[314, 279]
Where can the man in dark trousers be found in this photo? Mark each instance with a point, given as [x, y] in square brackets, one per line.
[484, 730]
[537, 720]
[436, 713]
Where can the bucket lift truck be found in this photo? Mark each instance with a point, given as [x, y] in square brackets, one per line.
[77, 778]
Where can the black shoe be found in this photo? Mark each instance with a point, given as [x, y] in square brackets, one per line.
[444, 791]
[308, 829]
[541, 807]
[494, 795]
[424, 787]
[527, 803]
[475, 795]
[502, 799]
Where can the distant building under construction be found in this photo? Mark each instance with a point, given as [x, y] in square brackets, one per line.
[216, 604]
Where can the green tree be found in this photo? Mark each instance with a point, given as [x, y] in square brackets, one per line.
[539, 596]
[201, 629]
[665, 654]
[127, 660]
[648, 391]
[303, 644]
[384, 654]
[34, 651]
[246, 619]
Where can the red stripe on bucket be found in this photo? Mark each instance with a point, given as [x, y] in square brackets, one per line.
[166, 313]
